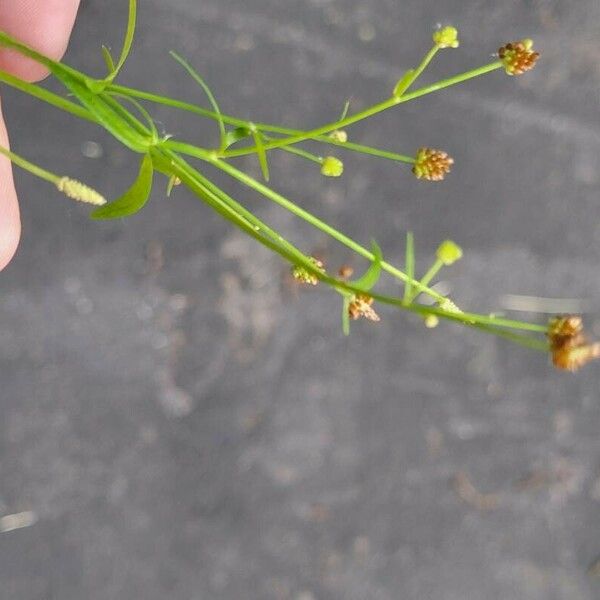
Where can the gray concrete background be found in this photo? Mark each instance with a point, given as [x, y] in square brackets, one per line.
[183, 425]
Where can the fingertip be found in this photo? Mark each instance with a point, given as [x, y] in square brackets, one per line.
[10, 220]
[10, 235]
[45, 26]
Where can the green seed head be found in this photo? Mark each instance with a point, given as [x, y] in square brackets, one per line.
[446, 37]
[332, 166]
[449, 306]
[79, 191]
[449, 252]
[431, 321]
[339, 135]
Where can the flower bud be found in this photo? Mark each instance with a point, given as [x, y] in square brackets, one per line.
[449, 252]
[339, 135]
[446, 37]
[332, 166]
[518, 57]
[431, 321]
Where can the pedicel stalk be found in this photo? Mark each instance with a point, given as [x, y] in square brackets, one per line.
[125, 113]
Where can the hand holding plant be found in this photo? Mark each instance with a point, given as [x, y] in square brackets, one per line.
[45, 25]
[126, 114]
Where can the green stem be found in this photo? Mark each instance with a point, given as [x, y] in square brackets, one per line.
[299, 212]
[369, 112]
[236, 122]
[234, 212]
[302, 153]
[431, 273]
[50, 98]
[417, 72]
[27, 166]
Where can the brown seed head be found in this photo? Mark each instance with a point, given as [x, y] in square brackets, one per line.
[361, 306]
[569, 346]
[432, 164]
[345, 271]
[563, 328]
[518, 57]
[572, 358]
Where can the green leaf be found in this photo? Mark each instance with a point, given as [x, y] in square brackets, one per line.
[97, 86]
[404, 83]
[128, 41]
[108, 59]
[99, 106]
[410, 266]
[371, 277]
[198, 79]
[260, 151]
[133, 199]
[346, 315]
[235, 135]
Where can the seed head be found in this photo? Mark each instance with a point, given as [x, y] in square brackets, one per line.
[569, 346]
[449, 252]
[361, 306]
[446, 37]
[518, 57]
[345, 271]
[332, 166]
[564, 327]
[431, 321]
[572, 358]
[339, 135]
[302, 275]
[449, 306]
[79, 191]
[432, 164]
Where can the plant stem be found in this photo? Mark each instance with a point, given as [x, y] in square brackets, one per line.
[318, 223]
[431, 273]
[370, 111]
[28, 166]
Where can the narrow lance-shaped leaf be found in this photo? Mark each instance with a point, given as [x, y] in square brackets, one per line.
[200, 81]
[133, 199]
[128, 42]
[404, 83]
[371, 277]
[108, 59]
[262, 155]
[97, 86]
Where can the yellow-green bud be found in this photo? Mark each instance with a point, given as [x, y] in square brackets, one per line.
[332, 166]
[339, 135]
[446, 37]
[449, 252]
[431, 321]
[79, 191]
